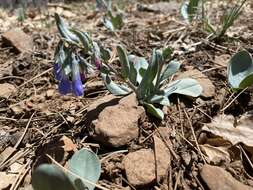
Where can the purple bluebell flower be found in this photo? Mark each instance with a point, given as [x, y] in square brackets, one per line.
[65, 85]
[57, 71]
[72, 82]
[77, 86]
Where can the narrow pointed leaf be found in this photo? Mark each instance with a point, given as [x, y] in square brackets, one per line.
[137, 65]
[113, 87]
[64, 29]
[154, 111]
[149, 76]
[124, 61]
[170, 69]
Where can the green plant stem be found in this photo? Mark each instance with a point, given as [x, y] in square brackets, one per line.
[130, 84]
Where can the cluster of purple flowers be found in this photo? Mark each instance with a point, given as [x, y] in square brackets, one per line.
[72, 82]
[69, 83]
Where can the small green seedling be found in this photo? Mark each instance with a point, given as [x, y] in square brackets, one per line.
[189, 10]
[148, 80]
[240, 71]
[227, 21]
[83, 173]
[113, 21]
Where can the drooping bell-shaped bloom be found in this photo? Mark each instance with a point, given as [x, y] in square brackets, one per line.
[71, 82]
[57, 71]
[65, 85]
[77, 86]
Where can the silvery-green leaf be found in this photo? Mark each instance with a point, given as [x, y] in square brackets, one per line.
[67, 64]
[60, 54]
[154, 111]
[137, 65]
[123, 61]
[50, 177]
[187, 86]
[113, 87]
[189, 9]
[64, 29]
[149, 76]
[96, 49]
[240, 70]
[160, 99]
[184, 11]
[167, 53]
[113, 22]
[84, 39]
[170, 69]
[108, 24]
[86, 165]
[105, 54]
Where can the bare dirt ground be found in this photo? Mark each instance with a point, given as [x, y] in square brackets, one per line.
[36, 120]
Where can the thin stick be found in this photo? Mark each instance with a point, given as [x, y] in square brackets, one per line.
[233, 100]
[37, 76]
[23, 135]
[194, 136]
[109, 155]
[21, 176]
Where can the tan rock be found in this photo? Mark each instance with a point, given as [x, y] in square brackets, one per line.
[217, 178]
[6, 180]
[162, 157]
[18, 40]
[117, 120]
[140, 167]
[6, 90]
[207, 85]
[145, 166]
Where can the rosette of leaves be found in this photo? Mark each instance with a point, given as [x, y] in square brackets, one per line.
[240, 71]
[149, 80]
[83, 172]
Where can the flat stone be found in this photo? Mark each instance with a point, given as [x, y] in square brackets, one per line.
[117, 120]
[19, 40]
[140, 167]
[217, 178]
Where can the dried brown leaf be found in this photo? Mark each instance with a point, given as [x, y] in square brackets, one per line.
[226, 126]
[216, 154]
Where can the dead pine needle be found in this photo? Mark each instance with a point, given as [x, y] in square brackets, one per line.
[194, 136]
